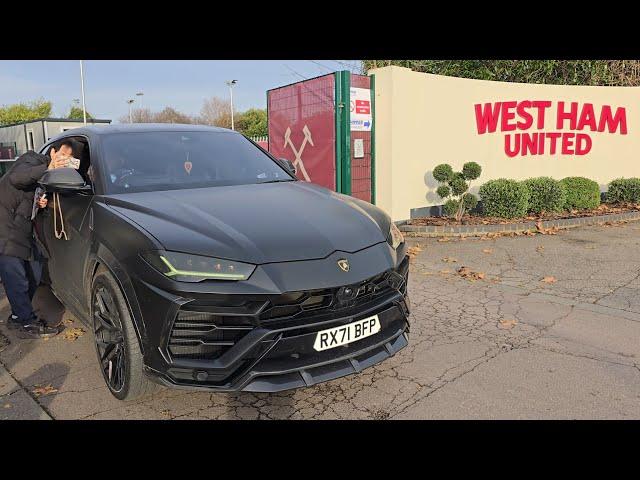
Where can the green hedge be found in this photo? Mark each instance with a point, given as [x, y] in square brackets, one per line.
[624, 190]
[504, 198]
[580, 193]
[545, 195]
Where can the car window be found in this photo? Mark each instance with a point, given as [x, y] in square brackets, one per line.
[148, 161]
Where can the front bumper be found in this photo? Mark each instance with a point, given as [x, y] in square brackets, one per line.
[288, 361]
[268, 347]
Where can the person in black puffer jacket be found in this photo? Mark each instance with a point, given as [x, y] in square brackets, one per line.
[19, 265]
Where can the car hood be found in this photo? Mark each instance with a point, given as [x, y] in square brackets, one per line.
[259, 224]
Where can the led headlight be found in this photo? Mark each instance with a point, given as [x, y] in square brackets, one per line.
[184, 267]
[395, 236]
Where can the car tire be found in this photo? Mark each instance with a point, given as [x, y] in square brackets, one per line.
[127, 380]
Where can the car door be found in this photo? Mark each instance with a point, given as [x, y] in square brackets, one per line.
[66, 233]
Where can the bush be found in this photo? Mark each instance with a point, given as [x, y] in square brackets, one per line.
[624, 190]
[545, 195]
[443, 191]
[470, 201]
[504, 198]
[454, 184]
[580, 193]
[450, 207]
[443, 173]
[458, 186]
[471, 170]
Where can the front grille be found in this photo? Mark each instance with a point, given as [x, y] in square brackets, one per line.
[205, 329]
[199, 335]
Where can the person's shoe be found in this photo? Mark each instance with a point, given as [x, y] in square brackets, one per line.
[13, 322]
[37, 329]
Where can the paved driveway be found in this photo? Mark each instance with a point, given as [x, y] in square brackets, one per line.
[508, 345]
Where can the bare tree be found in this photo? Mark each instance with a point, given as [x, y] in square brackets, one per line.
[171, 115]
[168, 115]
[216, 112]
[142, 115]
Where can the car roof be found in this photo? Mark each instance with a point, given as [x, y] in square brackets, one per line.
[98, 130]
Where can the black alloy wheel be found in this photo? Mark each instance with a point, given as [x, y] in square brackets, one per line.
[109, 339]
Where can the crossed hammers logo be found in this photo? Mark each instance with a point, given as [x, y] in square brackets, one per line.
[298, 153]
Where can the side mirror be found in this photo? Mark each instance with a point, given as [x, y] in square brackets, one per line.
[289, 165]
[63, 179]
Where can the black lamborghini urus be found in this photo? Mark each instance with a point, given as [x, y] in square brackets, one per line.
[199, 261]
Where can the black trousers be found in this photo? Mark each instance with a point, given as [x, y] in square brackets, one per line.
[20, 279]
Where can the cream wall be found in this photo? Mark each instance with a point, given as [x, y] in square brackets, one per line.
[423, 120]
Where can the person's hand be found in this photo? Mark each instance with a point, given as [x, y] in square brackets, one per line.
[59, 160]
[42, 202]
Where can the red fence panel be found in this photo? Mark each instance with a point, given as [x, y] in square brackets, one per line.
[302, 128]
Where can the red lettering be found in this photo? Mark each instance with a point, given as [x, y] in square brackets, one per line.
[583, 144]
[508, 114]
[487, 117]
[587, 117]
[541, 144]
[526, 116]
[553, 140]
[507, 143]
[620, 119]
[571, 116]
[541, 105]
[530, 143]
[567, 143]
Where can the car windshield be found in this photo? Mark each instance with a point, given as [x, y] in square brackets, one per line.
[169, 160]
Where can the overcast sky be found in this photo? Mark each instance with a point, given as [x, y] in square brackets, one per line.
[180, 84]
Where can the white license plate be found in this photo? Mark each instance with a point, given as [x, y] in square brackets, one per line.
[351, 332]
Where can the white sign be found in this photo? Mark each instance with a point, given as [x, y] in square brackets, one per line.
[358, 148]
[361, 115]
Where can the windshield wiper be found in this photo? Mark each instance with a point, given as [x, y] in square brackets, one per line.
[277, 181]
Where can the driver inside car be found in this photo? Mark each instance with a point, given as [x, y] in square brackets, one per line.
[117, 172]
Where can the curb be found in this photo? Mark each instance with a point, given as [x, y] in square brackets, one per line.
[479, 230]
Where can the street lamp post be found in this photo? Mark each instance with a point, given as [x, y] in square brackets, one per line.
[231, 83]
[84, 110]
[130, 102]
[140, 94]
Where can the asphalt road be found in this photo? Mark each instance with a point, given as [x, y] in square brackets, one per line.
[505, 346]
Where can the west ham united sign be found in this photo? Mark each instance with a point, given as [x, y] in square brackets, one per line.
[565, 136]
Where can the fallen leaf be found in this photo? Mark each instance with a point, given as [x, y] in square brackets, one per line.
[444, 272]
[42, 391]
[72, 334]
[466, 272]
[549, 279]
[413, 251]
[444, 239]
[6, 405]
[487, 250]
[68, 321]
[539, 248]
[449, 259]
[507, 323]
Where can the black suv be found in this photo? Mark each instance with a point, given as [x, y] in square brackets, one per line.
[200, 261]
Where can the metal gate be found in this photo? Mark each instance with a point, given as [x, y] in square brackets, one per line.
[310, 124]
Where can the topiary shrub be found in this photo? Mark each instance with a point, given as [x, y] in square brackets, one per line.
[581, 193]
[545, 195]
[450, 207]
[624, 190]
[504, 198]
[456, 184]
[443, 173]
